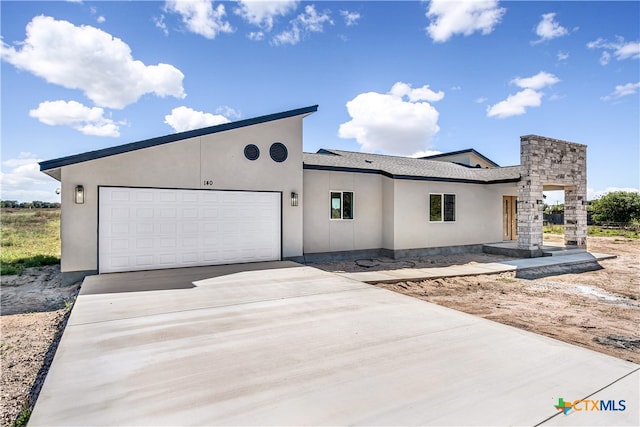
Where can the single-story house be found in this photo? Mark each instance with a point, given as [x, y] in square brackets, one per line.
[244, 191]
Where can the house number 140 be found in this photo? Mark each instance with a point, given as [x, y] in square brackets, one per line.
[208, 182]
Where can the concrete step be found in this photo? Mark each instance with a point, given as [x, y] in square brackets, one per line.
[562, 252]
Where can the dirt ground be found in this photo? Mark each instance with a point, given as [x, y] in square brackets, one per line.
[34, 308]
[597, 308]
[594, 306]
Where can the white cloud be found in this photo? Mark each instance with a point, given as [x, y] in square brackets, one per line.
[628, 50]
[89, 121]
[531, 96]
[562, 56]
[449, 18]
[256, 35]
[313, 21]
[515, 105]
[291, 37]
[350, 18]
[200, 17]
[159, 21]
[264, 13]
[426, 153]
[310, 21]
[536, 82]
[184, 118]
[423, 93]
[24, 181]
[101, 19]
[619, 49]
[228, 112]
[91, 60]
[481, 100]
[24, 158]
[622, 90]
[549, 29]
[399, 122]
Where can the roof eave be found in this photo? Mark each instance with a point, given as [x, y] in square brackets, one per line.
[468, 150]
[409, 177]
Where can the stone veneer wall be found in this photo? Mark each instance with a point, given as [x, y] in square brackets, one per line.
[552, 162]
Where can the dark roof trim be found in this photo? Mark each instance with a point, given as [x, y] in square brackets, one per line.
[469, 150]
[133, 146]
[406, 177]
[324, 151]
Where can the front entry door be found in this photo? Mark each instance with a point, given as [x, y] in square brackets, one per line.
[509, 218]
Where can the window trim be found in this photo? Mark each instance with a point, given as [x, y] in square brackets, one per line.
[331, 218]
[442, 207]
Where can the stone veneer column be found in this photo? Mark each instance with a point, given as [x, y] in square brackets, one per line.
[575, 216]
[530, 197]
[559, 164]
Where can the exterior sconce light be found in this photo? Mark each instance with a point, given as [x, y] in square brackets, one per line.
[294, 199]
[79, 194]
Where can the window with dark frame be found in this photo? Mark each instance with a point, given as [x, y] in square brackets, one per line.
[442, 207]
[435, 207]
[341, 205]
[449, 207]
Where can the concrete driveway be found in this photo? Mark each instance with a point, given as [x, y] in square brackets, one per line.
[284, 344]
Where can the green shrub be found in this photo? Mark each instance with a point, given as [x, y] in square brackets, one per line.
[617, 207]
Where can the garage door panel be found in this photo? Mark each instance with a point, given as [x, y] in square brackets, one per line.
[143, 213]
[141, 229]
[144, 244]
[143, 196]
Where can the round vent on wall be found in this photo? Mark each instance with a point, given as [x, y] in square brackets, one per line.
[251, 152]
[278, 152]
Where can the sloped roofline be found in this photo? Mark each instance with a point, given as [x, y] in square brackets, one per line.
[133, 146]
[468, 150]
[497, 175]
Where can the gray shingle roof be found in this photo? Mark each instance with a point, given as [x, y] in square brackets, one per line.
[407, 167]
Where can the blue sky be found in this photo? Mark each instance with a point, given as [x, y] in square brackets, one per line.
[399, 78]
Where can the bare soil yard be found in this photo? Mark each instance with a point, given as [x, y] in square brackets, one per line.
[34, 307]
[593, 306]
[598, 309]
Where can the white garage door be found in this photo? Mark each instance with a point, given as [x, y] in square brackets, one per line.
[151, 228]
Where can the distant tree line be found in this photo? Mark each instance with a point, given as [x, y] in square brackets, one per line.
[29, 205]
[619, 207]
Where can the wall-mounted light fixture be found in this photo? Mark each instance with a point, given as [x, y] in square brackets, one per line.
[294, 199]
[79, 194]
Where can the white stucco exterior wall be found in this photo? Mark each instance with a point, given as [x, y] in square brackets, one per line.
[394, 214]
[323, 234]
[190, 164]
[478, 214]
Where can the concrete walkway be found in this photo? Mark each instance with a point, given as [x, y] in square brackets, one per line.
[517, 265]
[286, 344]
